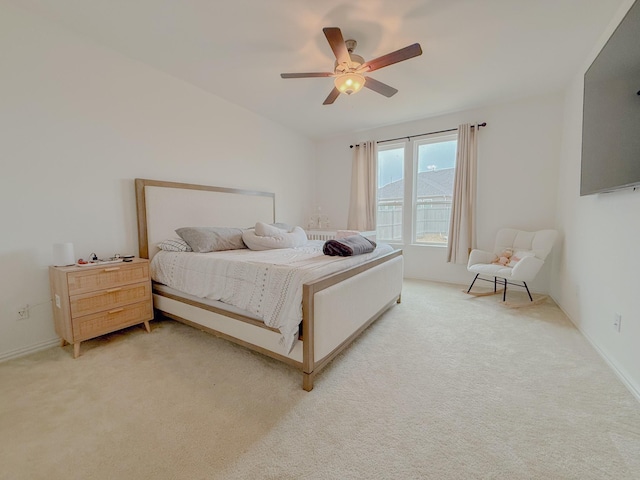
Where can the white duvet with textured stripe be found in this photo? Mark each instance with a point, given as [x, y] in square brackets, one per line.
[266, 283]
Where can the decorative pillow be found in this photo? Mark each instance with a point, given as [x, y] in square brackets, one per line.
[519, 255]
[212, 239]
[175, 245]
[266, 230]
[296, 238]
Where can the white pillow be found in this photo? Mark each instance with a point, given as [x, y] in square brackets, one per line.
[266, 230]
[519, 255]
[296, 238]
[283, 226]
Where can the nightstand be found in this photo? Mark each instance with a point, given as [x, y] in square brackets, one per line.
[89, 301]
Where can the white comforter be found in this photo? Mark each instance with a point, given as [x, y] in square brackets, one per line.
[266, 283]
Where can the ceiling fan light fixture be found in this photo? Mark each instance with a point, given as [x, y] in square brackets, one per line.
[349, 83]
[348, 67]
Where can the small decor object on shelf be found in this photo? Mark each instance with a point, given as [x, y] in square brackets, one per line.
[318, 221]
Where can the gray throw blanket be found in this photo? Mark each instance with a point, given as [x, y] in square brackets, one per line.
[348, 246]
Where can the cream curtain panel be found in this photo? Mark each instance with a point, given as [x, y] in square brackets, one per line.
[462, 230]
[362, 204]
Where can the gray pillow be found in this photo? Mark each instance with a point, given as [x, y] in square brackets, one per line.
[175, 245]
[212, 239]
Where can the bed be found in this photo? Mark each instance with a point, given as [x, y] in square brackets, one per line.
[334, 307]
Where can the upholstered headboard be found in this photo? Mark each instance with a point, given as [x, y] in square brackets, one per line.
[164, 206]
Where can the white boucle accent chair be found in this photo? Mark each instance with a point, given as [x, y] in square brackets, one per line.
[531, 248]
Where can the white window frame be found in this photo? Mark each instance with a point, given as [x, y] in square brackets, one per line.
[410, 197]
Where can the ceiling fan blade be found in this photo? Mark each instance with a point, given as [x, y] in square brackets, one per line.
[379, 87]
[391, 58]
[332, 96]
[306, 75]
[336, 42]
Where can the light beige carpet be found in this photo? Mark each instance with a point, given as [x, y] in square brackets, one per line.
[443, 386]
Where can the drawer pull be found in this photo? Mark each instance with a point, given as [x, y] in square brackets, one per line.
[117, 310]
[112, 269]
[114, 290]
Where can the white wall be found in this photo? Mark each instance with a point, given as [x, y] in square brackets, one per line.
[517, 177]
[77, 124]
[597, 273]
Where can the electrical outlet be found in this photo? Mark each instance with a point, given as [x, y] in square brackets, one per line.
[617, 322]
[23, 313]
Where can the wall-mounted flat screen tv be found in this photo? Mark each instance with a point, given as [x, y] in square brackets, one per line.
[611, 116]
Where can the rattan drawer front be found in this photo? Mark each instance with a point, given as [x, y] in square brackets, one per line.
[109, 276]
[110, 298]
[90, 326]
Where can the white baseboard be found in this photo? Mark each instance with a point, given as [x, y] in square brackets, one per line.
[631, 386]
[20, 352]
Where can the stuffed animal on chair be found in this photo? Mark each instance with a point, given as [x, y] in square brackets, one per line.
[503, 258]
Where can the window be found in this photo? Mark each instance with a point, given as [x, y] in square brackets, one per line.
[427, 187]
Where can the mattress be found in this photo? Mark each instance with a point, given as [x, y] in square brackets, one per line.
[168, 291]
[268, 284]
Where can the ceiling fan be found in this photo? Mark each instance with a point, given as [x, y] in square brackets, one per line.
[350, 69]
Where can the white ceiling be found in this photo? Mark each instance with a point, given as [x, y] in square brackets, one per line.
[476, 52]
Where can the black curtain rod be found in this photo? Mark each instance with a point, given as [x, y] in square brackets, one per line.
[483, 124]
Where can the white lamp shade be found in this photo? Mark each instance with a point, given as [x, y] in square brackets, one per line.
[349, 83]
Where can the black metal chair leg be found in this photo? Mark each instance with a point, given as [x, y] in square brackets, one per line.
[474, 281]
[504, 282]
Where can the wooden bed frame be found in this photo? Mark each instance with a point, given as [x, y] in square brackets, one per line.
[335, 308]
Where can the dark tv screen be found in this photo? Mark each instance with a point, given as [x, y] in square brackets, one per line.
[611, 116]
